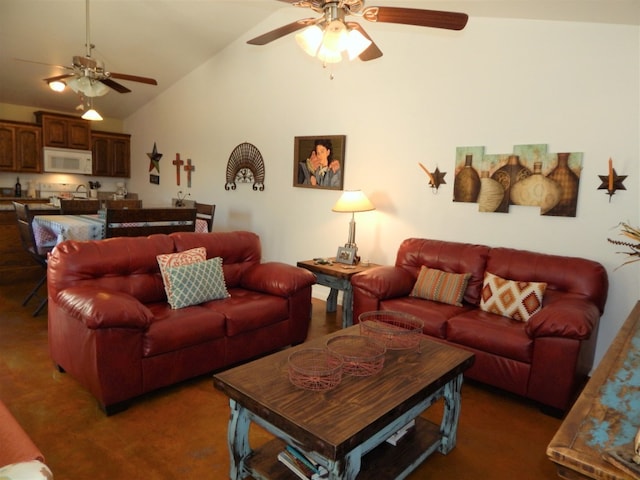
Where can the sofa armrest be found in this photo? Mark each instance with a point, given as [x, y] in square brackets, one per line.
[277, 278]
[101, 308]
[573, 318]
[384, 282]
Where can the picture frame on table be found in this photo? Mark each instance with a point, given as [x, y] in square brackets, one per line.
[319, 162]
[346, 255]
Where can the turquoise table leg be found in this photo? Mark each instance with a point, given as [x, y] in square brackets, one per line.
[451, 415]
[238, 438]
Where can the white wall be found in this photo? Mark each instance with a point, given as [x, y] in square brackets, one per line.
[498, 83]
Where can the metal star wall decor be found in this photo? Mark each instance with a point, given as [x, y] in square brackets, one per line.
[612, 181]
[154, 158]
[436, 178]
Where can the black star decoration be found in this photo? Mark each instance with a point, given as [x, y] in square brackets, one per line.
[617, 183]
[437, 179]
[155, 157]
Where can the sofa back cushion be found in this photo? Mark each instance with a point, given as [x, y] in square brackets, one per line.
[124, 264]
[452, 257]
[573, 275]
[239, 250]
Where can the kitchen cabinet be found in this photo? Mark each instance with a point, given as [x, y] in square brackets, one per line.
[64, 131]
[20, 147]
[111, 154]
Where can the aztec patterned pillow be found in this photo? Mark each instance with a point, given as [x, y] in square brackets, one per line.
[32, 470]
[433, 284]
[511, 298]
[187, 257]
[196, 283]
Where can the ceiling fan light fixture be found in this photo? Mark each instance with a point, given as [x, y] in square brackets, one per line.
[57, 85]
[357, 43]
[335, 36]
[88, 87]
[326, 55]
[310, 39]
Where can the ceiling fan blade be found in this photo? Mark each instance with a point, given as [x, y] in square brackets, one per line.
[372, 52]
[43, 63]
[416, 16]
[115, 85]
[58, 77]
[132, 78]
[281, 32]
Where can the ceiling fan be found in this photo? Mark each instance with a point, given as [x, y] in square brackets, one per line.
[88, 77]
[328, 36]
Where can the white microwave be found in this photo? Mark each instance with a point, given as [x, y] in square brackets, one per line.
[63, 160]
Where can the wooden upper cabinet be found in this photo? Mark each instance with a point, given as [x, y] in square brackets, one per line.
[7, 147]
[111, 154]
[29, 149]
[64, 131]
[20, 147]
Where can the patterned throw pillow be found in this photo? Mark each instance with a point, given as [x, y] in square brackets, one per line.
[187, 257]
[441, 286]
[511, 298]
[196, 283]
[31, 470]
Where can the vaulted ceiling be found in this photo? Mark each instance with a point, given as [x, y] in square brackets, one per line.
[166, 39]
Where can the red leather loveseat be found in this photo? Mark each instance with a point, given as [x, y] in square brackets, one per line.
[111, 328]
[546, 358]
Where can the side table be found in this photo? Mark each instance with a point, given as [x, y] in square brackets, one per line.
[337, 276]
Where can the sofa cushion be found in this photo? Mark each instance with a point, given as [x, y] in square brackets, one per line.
[434, 314]
[511, 298]
[195, 283]
[187, 257]
[174, 330]
[491, 333]
[32, 470]
[434, 284]
[247, 310]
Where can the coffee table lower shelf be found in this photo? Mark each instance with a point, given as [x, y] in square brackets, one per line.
[384, 461]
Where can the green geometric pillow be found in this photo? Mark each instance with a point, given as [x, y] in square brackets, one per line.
[196, 283]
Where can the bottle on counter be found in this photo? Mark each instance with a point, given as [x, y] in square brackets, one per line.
[18, 190]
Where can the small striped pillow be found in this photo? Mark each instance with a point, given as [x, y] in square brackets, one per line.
[433, 284]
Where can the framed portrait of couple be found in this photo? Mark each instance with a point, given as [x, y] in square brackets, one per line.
[319, 162]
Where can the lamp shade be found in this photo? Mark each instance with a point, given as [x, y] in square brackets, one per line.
[92, 115]
[353, 201]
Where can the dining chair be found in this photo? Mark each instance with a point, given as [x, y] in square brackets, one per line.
[206, 212]
[24, 217]
[141, 222]
[79, 207]
[125, 203]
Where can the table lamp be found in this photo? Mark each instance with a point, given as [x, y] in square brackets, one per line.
[353, 201]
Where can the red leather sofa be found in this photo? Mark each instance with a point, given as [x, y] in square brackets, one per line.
[546, 359]
[111, 328]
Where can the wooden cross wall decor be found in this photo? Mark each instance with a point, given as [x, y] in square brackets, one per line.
[189, 168]
[178, 163]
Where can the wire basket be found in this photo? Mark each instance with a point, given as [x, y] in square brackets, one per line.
[395, 330]
[315, 369]
[361, 356]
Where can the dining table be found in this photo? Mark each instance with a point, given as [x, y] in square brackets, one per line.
[50, 230]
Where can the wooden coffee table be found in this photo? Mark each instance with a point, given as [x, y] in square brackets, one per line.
[345, 429]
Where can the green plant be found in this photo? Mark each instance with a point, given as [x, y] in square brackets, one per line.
[633, 233]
